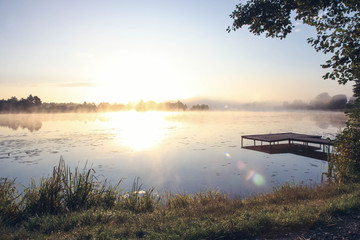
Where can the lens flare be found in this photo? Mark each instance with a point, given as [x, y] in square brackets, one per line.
[259, 180]
[228, 155]
[250, 175]
[241, 165]
[256, 178]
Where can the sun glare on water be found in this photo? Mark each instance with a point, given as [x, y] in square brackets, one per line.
[139, 130]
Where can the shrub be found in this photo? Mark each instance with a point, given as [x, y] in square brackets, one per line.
[345, 159]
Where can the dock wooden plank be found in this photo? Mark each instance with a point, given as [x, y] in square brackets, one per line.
[278, 137]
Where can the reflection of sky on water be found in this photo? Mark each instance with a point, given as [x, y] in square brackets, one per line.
[175, 151]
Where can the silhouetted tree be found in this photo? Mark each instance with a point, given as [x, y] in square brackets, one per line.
[338, 102]
[200, 107]
[37, 101]
[321, 101]
[180, 106]
[104, 107]
[151, 106]
[140, 107]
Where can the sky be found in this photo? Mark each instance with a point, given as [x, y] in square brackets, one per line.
[122, 51]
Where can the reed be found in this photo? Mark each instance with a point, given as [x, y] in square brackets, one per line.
[138, 200]
[78, 187]
[48, 196]
[9, 202]
[66, 191]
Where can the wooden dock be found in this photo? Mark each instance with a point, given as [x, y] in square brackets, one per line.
[291, 138]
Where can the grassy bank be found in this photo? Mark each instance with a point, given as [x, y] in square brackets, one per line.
[74, 205]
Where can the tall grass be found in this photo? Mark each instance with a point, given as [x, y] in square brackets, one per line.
[203, 198]
[9, 199]
[138, 200]
[76, 205]
[78, 188]
[68, 191]
[48, 196]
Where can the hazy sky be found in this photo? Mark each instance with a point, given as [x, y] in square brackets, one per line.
[120, 51]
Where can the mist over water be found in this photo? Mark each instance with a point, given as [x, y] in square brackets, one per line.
[186, 151]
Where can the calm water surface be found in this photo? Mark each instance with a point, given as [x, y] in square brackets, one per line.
[180, 152]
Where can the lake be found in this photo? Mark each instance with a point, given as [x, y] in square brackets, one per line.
[180, 152]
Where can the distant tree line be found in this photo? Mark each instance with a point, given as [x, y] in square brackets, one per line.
[200, 107]
[322, 102]
[30, 104]
[33, 104]
[164, 106]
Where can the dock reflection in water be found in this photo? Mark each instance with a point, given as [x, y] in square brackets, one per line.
[297, 149]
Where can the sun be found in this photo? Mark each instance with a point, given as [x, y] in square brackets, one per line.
[151, 76]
